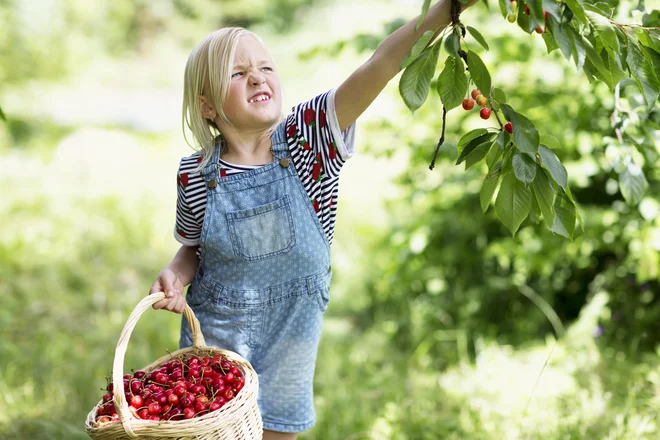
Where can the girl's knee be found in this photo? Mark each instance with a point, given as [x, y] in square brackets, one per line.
[272, 435]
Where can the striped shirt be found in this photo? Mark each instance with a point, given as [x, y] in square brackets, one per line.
[318, 151]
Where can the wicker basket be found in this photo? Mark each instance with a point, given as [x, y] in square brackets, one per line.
[238, 419]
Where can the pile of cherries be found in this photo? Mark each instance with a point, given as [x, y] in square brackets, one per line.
[182, 388]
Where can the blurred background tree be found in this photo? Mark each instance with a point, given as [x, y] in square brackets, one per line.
[441, 323]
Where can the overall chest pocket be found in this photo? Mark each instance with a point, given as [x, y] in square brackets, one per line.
[263, 231]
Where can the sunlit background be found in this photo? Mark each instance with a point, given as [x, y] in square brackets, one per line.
[441, 325]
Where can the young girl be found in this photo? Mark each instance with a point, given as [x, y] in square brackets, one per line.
[256, 209]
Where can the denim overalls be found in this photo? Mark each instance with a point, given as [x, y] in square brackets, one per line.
[262, 284]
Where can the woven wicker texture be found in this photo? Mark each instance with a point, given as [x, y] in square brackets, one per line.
[237, 420]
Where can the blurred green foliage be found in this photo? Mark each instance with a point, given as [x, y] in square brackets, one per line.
[444, 335]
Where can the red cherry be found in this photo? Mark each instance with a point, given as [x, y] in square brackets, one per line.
[197, 389]
[136, 386]
[484, 113]
[175, 414]
[154, 418]
[228, 394]
[239, 385]
[468, 104]
[154, 408]
[200, 406]
[540, 30]
[194, 372]
[214, 406]
[139, 374]
[136, 401]
[527, 11]
[545, 15]
[107, 397]
[143, 413]
[509, 127]
[229, 378]
[475, 93]
[189, 412]
[179, 391]
[173, 399]
[186, 400]
[177, 374]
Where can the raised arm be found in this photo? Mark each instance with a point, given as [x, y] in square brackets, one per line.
[363, 86]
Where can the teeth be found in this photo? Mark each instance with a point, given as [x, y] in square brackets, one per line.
[260, 98]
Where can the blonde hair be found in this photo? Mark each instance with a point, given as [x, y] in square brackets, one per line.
[209, 66]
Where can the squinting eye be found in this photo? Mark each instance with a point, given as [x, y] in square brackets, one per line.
[269, 68]
[238, 73]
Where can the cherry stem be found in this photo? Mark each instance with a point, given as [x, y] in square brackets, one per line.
[490, 104]
[442, 138]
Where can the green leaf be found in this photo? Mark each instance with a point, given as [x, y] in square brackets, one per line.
[499, 95]
[503, 139]
[525, 21]
[654, 58]
[504, 7]
[419, 46]
[602, 72]
[550, 141]
[452, 83]
[489, 186]
[478, 153]
[550, 42]
[452, 44]
[604, 29]
[513, 203]
[524, 168]
[562, 36]
[425, 10]
[544, 193]
[576, 8]
[469, 136]
[472, 145]
[477, 36]
[2, 115]
[553, 9]
[415, 81]
[578, 49]
[479, 72]
[644, 74]
[536, 8]
[633, 183]
[565, 213]
[525, 135]
[551, 162]
[493, 155]
[615, 70]
[535, 212]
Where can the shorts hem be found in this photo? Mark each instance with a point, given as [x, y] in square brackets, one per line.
[288, 427]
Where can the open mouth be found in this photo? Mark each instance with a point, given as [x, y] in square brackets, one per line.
[261, 97]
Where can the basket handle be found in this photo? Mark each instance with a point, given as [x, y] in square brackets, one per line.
[118, 365]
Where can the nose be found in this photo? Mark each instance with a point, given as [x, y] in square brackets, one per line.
[257, 78]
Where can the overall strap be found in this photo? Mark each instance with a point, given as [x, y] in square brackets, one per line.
[279, 139]
[211, 170]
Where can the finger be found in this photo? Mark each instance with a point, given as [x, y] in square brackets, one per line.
[167, 280]
[155, 287]
[181, 304]
[161, 304]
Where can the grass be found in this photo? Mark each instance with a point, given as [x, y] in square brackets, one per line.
[73, 268]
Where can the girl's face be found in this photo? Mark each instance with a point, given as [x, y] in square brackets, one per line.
[254, 102]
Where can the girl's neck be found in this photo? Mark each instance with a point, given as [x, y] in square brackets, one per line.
[250, 149]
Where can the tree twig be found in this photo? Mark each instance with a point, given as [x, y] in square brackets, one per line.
[442, 137]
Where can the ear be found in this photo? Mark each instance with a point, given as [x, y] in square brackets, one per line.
[207, 108]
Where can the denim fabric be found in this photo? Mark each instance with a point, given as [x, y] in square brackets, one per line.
[263, 282]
